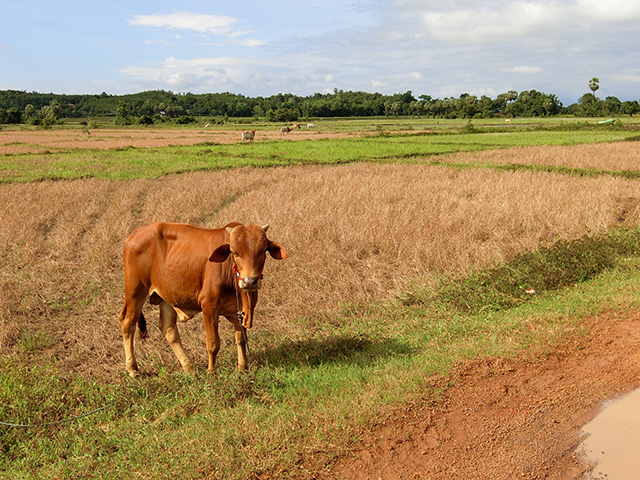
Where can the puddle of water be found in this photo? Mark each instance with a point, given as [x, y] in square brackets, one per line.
[613, 441]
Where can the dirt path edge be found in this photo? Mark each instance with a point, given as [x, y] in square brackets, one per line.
[504, 418]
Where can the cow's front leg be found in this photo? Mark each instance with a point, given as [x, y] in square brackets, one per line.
[241, 343]
[213, 338]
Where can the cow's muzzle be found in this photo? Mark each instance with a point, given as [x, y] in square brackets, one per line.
[250, 283]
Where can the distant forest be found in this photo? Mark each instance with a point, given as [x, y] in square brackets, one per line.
[158, 105]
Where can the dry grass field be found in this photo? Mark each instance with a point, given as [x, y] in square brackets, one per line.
[356, 234]
[361, 238]
[618, 156]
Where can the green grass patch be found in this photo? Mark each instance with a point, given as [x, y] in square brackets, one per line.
[128, 163]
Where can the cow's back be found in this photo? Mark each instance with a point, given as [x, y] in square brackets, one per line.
[170, 259]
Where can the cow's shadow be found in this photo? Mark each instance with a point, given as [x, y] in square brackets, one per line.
[344, 349]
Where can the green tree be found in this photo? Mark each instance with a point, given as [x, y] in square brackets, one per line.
[56, 109]
[123, 114]
[13, 115]
[531, 103]
[391, 108]
[612, 105]
[145, 120]
[467, 106]
[589, 105]
[631, 107]
[50, 114]
[416, 108]
[29, 111]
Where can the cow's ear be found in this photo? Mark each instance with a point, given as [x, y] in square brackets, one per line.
[220, 254]
[276, 251]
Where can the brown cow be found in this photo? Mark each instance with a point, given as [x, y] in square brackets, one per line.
[187, 269]
[288, 129]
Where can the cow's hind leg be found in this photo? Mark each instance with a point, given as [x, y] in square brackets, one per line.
[168, 325]
[129, 317]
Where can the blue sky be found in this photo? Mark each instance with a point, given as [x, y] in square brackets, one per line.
[440, 48]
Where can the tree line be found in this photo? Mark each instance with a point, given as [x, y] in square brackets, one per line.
[158, 105]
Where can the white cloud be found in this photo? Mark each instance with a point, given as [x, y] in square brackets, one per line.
[613, 11]
[249, 42]
[411, 76]
[217, 24]
[185, 74]
[524, 69]
[249, 75]
[627, 78]
[463, 22]
[486, 24]
[397, 82]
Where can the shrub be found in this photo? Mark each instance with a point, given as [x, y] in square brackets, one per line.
[186, 119]
[145, 120]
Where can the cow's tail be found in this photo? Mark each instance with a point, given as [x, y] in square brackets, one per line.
[142, 325]
[142, 322]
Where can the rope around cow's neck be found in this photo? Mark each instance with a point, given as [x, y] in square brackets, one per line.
[240, 311]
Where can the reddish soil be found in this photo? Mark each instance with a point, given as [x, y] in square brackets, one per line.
[504, 418]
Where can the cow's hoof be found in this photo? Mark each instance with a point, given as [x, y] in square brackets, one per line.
[189, 369]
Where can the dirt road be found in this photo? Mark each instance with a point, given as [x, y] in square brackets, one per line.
[504, 418]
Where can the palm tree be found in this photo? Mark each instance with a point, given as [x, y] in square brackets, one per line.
[594, 84]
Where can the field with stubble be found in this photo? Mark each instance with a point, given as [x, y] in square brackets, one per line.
[400, 268]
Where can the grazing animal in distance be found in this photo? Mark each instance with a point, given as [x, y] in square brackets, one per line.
[311, 125]
[186, 269]
[248, 135]
[288, 129]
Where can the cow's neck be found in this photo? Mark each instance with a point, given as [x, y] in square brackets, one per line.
[245, 300]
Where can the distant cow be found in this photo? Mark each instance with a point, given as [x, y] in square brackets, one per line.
[248, 135]
[187, 269]
[288, 129]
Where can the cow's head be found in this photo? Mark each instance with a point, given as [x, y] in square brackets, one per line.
[248, 246]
